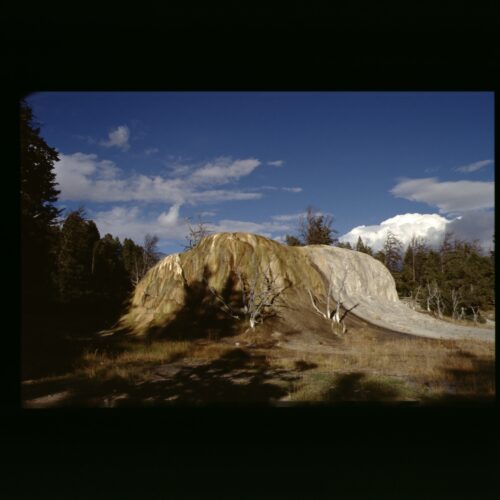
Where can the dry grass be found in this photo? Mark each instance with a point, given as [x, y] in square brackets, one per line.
[321, 387]
[362, 367]
[133, 363]
[209, 352]
[434, 367]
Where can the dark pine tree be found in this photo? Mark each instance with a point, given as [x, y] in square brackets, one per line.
[110, 278]
[39, 232]
[76, 258]
[344, 245]
[392, 251]
[293, 241]
[361, 247]
[316, 229]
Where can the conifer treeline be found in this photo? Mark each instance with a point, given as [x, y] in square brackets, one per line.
[67, 265]
[456, 279]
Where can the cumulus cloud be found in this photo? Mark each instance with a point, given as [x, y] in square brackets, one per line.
[449, 196]
[472, 167]
[85, 177]
[428, 226]
[478, 225]
[276, 163]
[118, 138]
[432, 227]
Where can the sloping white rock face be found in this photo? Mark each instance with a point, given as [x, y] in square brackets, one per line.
[370, 287]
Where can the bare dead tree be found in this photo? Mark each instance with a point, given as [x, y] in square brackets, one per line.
[196, 233]
[224, 306]
[259, 292]
[333, 293]
[429, 297]
[439, 301]
[462, 313]
[413, 300]
[145, 257]
[455, 301]
[475, 313]
[434, 296]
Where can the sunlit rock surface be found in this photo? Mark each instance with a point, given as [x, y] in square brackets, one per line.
[369, 287]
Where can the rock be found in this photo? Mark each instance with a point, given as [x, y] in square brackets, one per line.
[201, 288]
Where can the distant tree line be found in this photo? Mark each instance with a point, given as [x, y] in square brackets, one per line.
[456, 279]
[65, 264]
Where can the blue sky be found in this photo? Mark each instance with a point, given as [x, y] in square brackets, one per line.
[144, 161]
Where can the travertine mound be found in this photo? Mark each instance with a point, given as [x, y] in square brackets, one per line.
[179, 286]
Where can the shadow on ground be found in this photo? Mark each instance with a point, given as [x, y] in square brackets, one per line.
[235, 377]
[357, 387]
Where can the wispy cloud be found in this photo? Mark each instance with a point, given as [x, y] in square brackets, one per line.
[151, 151]
[276, 163]
[171, 228]
[276, 188]
[448, 196]
[472, 167]
[83, 177]
[288, 217]
[224, 170]
[86, 138]
[118, 138]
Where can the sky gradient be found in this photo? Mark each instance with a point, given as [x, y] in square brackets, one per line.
[142, 162]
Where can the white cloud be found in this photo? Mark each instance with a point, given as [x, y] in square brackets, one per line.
[449, 196]
[170, 218]
[224, 170]
[267, 228]
[83, 177]
[118, 138]
[431, 227]
[428, 226]
[276, 163]
[288, 217]
[478, 225]
[135, 222]
[276, 188]
[179, 170]
[472, 167]
[151, 151]
[215, 195]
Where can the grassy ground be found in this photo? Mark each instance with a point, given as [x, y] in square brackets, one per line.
[401, 369]
[252, 367]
